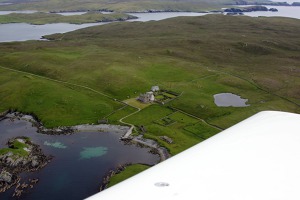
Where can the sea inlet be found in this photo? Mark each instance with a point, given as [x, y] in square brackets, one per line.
[80, 160]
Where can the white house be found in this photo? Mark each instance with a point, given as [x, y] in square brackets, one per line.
[155, 88]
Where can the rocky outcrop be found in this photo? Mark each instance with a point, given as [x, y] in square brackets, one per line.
[246, 9]
[21, 156]
[3, 115]
[31, 159]
[296, 4]
[276, 4]
[110, 174]
[273, 10]
[5, 176]
[81, 10]
[243, 2]
[24, 187]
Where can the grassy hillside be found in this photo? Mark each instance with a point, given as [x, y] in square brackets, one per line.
[82, 75]
[120, 5]
[48, 18]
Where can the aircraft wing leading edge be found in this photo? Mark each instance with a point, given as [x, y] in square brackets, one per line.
[256, 159]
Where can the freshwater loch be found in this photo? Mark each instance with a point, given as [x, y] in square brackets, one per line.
[229, 99]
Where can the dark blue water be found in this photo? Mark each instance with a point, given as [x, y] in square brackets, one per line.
[80, 161]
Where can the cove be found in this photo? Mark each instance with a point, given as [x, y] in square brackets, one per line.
[81, 160]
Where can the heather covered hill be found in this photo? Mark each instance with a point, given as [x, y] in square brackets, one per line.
[123, 5]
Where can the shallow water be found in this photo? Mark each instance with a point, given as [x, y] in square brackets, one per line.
[229, 99]
[80, 160]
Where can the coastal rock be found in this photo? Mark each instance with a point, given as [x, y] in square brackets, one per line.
[273, 10]
[233, 10]
[110, 174]
[246, 9]
[22, 156]
[34, 163]
[5, 176]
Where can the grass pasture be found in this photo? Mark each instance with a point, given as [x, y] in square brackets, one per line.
[87, 75]
[55, 104]
[120, 5]
[114, 117]
[40, 18]
[196, 57]
[162, 121]
[136, 103]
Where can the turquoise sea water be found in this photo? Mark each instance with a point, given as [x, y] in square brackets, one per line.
[92, 152]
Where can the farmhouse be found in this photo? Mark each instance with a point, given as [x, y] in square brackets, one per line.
[154, 88]
[148, 97]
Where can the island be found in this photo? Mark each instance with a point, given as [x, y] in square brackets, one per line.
[249, 9]
[21, 156]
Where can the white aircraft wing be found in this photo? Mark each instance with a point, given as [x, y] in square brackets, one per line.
[257, 159]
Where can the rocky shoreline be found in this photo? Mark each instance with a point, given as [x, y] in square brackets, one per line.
[155, 147]
[21, 156]
[249, 9]
[82, 10]
[110, 174]
[67, 130]
[125, 136]
[63, 130]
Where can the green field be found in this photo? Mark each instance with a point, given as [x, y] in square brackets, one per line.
[85, 75]
[96, 73]
[120, 5]
[114, 117]
[49, 18]
[54, 103]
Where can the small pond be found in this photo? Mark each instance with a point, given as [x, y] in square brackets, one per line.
[229, 99]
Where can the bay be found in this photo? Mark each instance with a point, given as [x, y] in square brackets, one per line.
[80, 162]
[23, 32]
